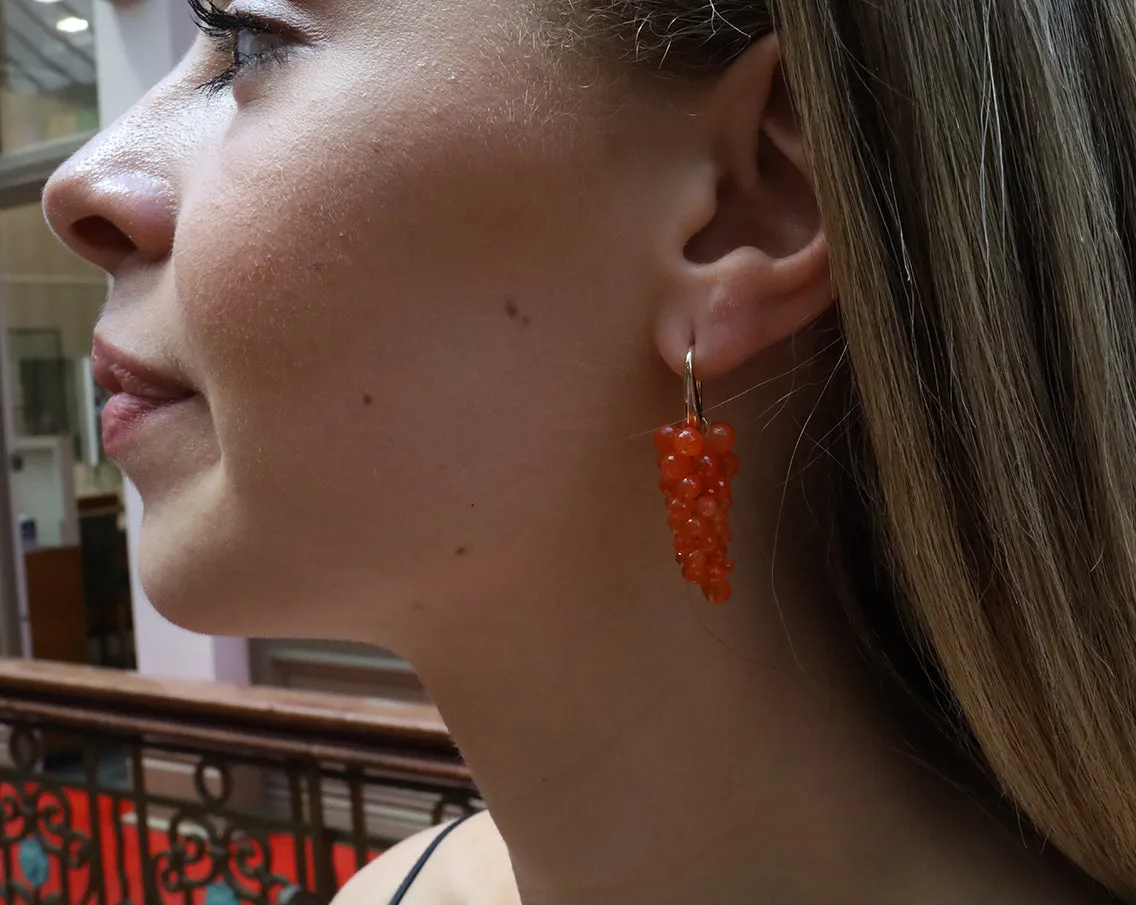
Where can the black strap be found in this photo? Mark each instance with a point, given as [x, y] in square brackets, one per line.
[421, 863]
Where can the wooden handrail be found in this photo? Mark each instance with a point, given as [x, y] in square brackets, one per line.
[357, 731]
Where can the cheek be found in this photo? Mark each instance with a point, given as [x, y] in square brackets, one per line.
[390, 322]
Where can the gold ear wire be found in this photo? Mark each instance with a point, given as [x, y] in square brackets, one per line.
[694, 413]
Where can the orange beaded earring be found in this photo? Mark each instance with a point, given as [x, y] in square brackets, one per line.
[697, 462]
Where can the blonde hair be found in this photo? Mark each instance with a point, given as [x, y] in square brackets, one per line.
[975, 164]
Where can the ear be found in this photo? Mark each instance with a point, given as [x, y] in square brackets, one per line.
[754, 269]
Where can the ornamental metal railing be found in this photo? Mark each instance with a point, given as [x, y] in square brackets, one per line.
[121, 790]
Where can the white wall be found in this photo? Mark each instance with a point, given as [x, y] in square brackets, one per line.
[136, 43]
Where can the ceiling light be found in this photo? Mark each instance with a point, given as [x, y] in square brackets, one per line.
[48, 1]
[71, 25]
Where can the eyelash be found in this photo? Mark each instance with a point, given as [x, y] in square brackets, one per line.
[224, 28]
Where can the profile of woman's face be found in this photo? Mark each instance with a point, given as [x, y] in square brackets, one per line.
[407, 262]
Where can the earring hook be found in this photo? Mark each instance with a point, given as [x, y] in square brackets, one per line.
[693, 393]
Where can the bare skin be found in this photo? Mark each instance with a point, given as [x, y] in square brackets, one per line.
[431, 284]
[471, 867]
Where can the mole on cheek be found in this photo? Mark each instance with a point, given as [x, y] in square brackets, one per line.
[368, 399]
[461, 551]
[514, 313]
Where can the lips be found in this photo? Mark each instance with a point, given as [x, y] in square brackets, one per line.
[139, 393]
[117, 372]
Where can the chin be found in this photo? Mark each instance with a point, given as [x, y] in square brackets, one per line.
[188, 594]
[204, 573]
[223, 556]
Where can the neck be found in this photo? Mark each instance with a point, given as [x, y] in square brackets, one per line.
[636, 745]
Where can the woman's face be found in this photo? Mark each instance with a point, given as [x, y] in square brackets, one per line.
[408, 263]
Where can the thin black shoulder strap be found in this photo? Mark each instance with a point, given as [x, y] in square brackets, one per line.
[421, 863]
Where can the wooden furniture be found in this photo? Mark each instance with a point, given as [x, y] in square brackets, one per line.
[57, 616]
[57, 609]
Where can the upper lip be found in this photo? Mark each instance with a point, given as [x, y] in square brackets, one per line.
[117, 371]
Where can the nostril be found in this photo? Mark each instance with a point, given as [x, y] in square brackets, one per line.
[99, 233]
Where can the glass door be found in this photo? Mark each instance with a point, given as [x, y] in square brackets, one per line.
[68, 498]
[51, 470]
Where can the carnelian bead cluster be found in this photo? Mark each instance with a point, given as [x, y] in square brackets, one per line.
[697, 466]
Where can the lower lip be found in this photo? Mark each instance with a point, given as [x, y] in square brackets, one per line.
[125, 415]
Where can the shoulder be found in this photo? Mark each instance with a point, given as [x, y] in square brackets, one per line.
[470, 867]
[377, 883]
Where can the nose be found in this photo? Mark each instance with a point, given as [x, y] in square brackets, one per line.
[110, 212]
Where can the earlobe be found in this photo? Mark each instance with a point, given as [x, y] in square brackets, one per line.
[756, 271]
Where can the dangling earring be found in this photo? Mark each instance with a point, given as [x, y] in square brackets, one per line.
[697, 462]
